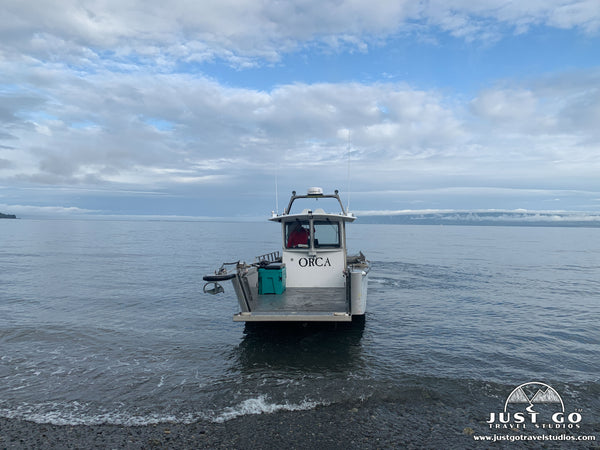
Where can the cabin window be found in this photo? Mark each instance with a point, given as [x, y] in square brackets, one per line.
[297, 234]
[327, 233]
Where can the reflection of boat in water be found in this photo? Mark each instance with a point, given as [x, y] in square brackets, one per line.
[313, 279]
[307, 347]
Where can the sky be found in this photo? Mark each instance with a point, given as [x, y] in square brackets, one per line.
[220, 108]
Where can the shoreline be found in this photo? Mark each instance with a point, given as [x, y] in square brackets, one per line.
[388, 425]
[358, 425]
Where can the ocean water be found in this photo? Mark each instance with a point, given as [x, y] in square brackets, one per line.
[106, 322]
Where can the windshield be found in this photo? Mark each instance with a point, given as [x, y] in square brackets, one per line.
[297, 234]
[324, 232]
[327, 233]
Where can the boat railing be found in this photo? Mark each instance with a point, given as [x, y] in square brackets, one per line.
[269, 257]
[314, 193]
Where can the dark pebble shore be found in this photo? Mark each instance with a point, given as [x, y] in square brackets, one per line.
[339, 426]
[360, 426]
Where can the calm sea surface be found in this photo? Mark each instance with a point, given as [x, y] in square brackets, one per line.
[106, 322]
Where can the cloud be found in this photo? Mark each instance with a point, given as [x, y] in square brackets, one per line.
[108, 94]
[496, 217]
[490, 19]
[581, 14]
[505, 106]
[177, 128]
[181, 131]
[245, 32]
[46, 211]
[234, 30]
[563, 102]
[544, 127]
[5, 163]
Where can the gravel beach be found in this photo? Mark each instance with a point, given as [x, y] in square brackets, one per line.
[364, 425]
[339, 426]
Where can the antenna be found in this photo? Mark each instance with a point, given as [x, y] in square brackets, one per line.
[348, 156]
[277, 189]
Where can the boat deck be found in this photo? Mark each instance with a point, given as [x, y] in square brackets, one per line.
[299, 305]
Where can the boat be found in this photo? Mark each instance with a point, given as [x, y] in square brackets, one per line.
[312, 278]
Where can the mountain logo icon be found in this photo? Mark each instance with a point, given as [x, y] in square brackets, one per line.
[534, 393]
[536, 405]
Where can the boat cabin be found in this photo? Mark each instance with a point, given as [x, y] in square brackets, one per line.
[314, 243]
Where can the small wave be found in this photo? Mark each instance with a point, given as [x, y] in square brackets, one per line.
[75, 413]
[260, 405]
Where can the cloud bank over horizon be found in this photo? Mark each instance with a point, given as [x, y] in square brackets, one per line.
[200, 109]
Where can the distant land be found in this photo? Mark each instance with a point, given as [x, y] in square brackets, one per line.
[484, 218]
[7, 216]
